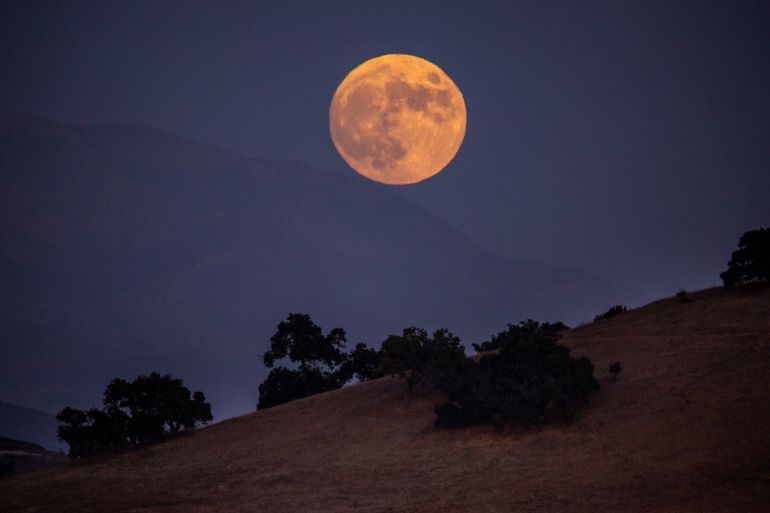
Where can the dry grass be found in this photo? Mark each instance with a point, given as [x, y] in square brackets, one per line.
[684, 428]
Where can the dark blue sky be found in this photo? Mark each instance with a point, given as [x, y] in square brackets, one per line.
[629, 139]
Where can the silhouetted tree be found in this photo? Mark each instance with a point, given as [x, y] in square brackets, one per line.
[612, 312]
[750, 263]
[92, 432]
[155, 405]
[415, 357]
[523, 331]
[317, 359]
[529, 381]
[283, 385]
[362, 362]
[134, 413]
[300, 340]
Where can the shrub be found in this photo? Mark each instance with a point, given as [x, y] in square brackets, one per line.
[612, 312]
[449, 415]
[528, 382]
[750, 263]
[525, 330]
[615, 369]
[135, 413]
[683, 298]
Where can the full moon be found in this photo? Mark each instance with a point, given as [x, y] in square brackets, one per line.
[397, 119]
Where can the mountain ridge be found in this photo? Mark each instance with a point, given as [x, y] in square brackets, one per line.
[19, 422]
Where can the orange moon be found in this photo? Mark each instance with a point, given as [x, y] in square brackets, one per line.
[397, 119]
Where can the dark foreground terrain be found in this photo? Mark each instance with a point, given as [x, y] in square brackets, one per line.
[684, 428]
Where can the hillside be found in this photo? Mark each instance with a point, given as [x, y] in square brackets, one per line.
[124, 250]
[26, 423]
[27, 456]
[684, 428]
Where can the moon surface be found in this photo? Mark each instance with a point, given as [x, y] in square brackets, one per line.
[397, 119]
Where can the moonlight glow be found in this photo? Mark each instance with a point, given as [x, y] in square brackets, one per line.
[397, 119]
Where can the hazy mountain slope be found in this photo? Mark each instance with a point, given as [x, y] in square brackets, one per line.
[35, 426]
[125, 250]
[682, 429]
[26, 457]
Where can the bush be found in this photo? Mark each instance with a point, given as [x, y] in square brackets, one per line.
[683, 298]
[612, 312]
[136, 413]
[750, 263]
[615, 369]
[449, 415]
[525, 330]
[530, 381]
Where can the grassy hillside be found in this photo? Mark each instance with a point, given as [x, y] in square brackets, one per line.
[684, 428]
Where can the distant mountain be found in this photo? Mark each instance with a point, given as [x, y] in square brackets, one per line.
[126, 250]
[36, 426]
[25, 456]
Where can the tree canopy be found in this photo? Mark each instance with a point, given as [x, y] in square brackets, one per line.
[613, 311]
[532, 379]
[134, 413]
[750, 263]
[301, 340]
[414, 355]
[362, 363]
[312, 362]
[525, 377]
[523, 331]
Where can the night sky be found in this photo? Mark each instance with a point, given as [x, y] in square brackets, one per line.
[631, 140]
